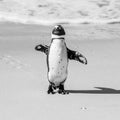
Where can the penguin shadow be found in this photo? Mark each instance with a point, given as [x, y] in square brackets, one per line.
[101, 90]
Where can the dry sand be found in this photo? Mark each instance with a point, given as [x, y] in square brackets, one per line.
[94, 88]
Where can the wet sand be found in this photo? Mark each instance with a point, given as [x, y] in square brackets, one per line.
[94, 88]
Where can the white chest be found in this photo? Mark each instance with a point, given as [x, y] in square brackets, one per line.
[58, 61]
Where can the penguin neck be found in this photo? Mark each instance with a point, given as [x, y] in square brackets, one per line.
[62, 39]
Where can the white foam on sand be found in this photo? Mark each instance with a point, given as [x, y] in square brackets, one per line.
[49, 12]
[29, 20]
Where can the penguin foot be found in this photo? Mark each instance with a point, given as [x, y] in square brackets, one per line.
[50, 90]
[57, 89]
[63, 92]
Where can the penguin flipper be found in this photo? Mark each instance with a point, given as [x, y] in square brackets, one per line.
[81, 58]
[74, 55]
[42, 48]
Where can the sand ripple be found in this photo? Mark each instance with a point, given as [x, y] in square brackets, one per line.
[14, 62]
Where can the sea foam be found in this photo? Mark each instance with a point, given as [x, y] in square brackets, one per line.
[50, 12]
[34, 20]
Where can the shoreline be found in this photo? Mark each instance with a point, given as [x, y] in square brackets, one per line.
[108, 29]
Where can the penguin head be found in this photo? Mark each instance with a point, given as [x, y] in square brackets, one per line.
[58, 32]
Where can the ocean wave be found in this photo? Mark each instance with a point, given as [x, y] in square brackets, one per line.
[50, 12]
[29, 20]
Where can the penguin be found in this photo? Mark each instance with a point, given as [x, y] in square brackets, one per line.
[58, 56]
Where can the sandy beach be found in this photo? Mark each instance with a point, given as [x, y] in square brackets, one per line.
[94, 88]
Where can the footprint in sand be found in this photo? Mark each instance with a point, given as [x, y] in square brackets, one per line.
[14, 62]
[83, 108]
